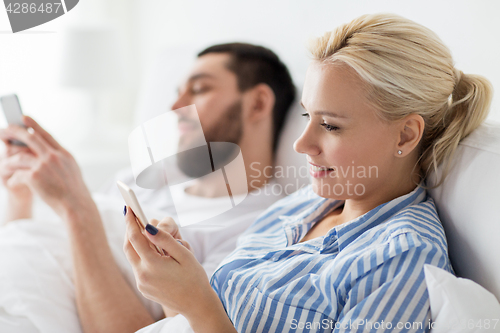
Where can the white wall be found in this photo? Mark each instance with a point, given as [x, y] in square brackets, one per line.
[30, 62]
[31, 66]
[471, 29]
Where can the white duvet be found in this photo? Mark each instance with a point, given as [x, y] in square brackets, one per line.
[36, 277]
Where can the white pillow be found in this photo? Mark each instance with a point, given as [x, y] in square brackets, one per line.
[291, 168]
[460, 305]
[468, 206]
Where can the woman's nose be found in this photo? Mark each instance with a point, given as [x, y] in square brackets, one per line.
[307, 143]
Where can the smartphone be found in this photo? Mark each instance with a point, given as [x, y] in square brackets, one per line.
[13, 113]
[132, 202]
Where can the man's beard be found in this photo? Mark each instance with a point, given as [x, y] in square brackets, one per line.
[196, 163]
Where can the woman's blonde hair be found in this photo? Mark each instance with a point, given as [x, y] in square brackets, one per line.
[408, 70]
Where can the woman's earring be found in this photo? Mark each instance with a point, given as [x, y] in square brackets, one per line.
[400, 152]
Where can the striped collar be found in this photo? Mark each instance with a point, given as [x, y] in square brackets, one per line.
[337, 238]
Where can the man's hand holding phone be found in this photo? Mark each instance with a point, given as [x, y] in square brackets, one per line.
[52, 172]
[20, 197]
[16, 156]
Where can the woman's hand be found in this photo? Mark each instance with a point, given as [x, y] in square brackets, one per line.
[177, 280]
[52, 172]
[169, 225]
[166, 279]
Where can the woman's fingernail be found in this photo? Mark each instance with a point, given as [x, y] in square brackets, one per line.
[151, 229]
[124, 210]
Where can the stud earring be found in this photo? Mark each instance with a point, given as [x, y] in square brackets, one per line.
[400, 152]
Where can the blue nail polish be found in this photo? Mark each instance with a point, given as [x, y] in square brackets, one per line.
[151, 229]
[124, 210]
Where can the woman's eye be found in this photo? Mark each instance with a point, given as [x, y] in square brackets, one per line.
[330, 128]
[305, 115]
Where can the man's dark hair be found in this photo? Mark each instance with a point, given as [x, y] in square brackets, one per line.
[253, 65]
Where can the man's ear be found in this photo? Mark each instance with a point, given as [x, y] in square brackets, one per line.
[259, 102]
[410, 130]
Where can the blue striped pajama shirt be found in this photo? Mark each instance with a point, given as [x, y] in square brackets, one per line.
[365, 275]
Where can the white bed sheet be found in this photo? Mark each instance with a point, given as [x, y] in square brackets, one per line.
[36, 276]
[177, 324]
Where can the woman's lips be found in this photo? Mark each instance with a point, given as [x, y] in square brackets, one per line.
[318, 171]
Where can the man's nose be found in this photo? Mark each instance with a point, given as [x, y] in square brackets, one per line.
[182, 101]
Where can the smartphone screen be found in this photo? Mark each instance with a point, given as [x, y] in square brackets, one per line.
[12, 109]
[13, 113]
[131, 201]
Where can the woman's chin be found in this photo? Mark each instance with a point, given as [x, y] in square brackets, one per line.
[337, 189]
[325, 188]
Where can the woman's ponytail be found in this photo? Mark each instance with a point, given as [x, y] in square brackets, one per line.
[468, 107]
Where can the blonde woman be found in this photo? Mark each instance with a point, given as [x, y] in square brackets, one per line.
[386, 106]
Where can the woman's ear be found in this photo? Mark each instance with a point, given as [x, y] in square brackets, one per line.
[259, 103]
[410, 132]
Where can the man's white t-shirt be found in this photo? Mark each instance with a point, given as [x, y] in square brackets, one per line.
[37, 288]
[213, 238]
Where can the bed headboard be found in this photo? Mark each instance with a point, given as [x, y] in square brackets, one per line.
[468, 203]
